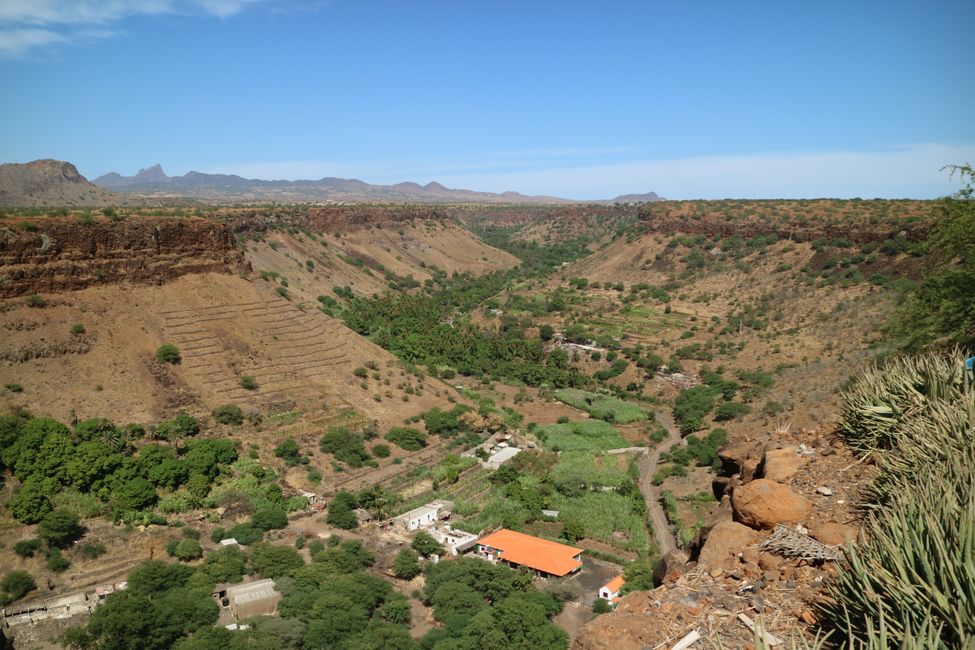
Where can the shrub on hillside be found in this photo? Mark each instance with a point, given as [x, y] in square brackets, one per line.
[407, 438]
[345, 446]
[168, 353]
[15, 585]
[228, 414]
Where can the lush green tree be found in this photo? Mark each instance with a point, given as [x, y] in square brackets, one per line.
[941, 309]
[245, 534]
[228, 414]
[377, 500]
[27, 547]
[381, 636]
[407, 438]
[15, 585]
[347, 557]
[185, 549]
[396, 610]
[225, 564]
[59, 528]
[425, 544]
[546, 332]
[288, 451]
[270, 517]
[56, 561]
[135, 494]
[340, 511]
[275, 561]
[601, 606]
[345, 445]
[406, 566]
[573, 530]
[31, 502]
[91, 464]
[333, 619]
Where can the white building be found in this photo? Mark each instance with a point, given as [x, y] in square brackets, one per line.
[500, 457]
[424, 516]
[611, 590]
[455, 541]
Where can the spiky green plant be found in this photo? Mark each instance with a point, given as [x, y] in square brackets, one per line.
[916, 562]
[885, 396]
[911, 582]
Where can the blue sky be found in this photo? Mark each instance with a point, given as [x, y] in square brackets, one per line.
[578, 99]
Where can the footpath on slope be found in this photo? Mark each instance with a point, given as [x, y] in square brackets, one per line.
[648, 466]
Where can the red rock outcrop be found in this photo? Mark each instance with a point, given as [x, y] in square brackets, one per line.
[61, 254]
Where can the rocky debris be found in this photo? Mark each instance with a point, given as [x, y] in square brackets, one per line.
[671, 565]
[782, 464]
[58, 254]
[697, 601]
[832, 533]
[724, 543]
[764, 503]
[825, 491]
[42, 349]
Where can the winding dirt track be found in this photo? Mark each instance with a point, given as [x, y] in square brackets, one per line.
[648, 465]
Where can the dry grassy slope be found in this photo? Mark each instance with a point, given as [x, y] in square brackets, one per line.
[825, 331]
[407, 248]
[226, 326]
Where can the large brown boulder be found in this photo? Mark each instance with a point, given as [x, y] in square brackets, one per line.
[781, 464]
[725, 542]
[832, 533]
[764, 503]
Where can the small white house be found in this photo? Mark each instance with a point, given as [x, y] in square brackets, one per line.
[611, 590]
[424, 516]
[500, 457]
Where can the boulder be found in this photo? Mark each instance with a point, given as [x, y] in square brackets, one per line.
[764, 503]
[725, 542]
[742, 458]
[781, 464]
[832, 533]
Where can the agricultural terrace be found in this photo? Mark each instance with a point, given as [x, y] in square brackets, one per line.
[603, 407]
[580, 435]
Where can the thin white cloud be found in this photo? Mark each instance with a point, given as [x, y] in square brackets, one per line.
[898, 172]
[27, 25]
[17, 42]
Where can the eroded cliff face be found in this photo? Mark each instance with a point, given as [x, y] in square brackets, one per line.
[62, 254]
[328, 219]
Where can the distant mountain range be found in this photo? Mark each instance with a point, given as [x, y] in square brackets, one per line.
[153, 181]
[55, 183]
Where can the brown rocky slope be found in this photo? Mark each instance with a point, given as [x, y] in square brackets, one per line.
[58, 254]
[52, 183]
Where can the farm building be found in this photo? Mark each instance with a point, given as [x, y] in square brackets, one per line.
[259, 598]
[455, 541]
[518, 549]
[501, 456]
[611, 590]
[424, 516]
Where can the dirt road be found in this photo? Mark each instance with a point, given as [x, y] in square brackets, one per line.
[648, 465]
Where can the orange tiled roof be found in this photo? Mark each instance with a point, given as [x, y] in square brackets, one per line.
[614, 585]
[534, 552]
